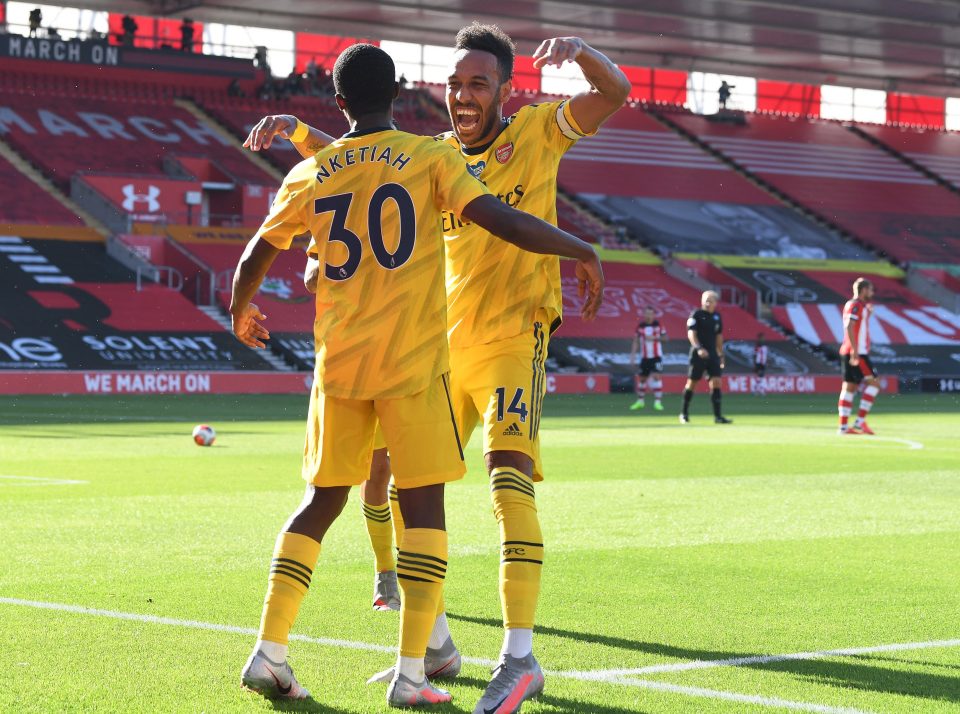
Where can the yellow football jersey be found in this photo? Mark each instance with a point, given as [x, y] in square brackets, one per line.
[372, 201]
[494, 288]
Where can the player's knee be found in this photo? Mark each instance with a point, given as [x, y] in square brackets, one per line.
[380, 471]
[513, 495]
[510, 460]
[422, 507]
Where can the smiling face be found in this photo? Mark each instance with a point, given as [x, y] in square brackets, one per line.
[475, 97]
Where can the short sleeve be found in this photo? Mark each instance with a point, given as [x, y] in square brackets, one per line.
[455, 185]
[854, 313]
[285, 220]
[692, 321]
[558, 127]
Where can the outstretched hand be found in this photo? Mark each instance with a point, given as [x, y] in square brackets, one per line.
[590, 284]
[268, 128]
[556, 51]
[247, 328]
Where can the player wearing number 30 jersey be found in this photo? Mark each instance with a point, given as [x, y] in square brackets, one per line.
[372, 202]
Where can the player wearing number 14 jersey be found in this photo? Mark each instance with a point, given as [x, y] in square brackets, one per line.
[503, 304]
[372, 202]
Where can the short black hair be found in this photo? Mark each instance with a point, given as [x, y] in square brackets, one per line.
[364, 75]
[489, 38]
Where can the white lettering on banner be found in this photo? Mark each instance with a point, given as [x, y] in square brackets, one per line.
[105, 125]
[73, 52]
[143, 124]
[57, 125]
[98, 383]
[782, 383]
[551, 383]
[626, 300]
[31, 350]
[15, 46]
[153, 342]
[132, 198]
[8, 117]
[102, 55]
[198, 131]
[198, 382]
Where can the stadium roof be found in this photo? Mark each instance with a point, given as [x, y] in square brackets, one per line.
[897, 45]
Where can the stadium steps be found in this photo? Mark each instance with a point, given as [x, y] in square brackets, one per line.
[31, 173]
[900, 156]
[217, 315]
[763, 185]
[252, 157]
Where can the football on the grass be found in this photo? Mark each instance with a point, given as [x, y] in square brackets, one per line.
[203, 434]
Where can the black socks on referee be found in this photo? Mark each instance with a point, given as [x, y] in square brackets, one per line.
[715, 398]
[687, 396]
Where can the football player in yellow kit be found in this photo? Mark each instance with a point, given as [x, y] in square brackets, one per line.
[503, 305]
[372, 202]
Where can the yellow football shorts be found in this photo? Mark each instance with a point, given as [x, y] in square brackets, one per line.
[503, 384]
[425, 446]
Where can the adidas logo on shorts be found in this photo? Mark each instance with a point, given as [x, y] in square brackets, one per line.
[512, 430]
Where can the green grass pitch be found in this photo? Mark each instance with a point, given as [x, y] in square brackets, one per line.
[671, 550]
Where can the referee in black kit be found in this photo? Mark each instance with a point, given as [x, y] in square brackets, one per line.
[705, 332]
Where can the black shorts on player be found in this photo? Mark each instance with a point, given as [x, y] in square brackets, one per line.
[698, 365]
[858, 372]
[649, 365]
[760, 370]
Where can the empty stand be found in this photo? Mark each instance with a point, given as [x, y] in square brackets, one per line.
[936, 151]
[635, 155]
[67, 135]
[282, 297]
[845, 179]
[23, 201]
[68, 305]
[604, 344]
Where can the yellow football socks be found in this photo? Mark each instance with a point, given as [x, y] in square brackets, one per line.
[521, 554]
[380, 531]
[421, 569]
[294, 559]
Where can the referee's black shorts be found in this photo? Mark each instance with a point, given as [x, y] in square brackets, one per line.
[709, 364]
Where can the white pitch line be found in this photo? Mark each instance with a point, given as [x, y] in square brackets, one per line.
[40, 481]
[198, 625]
[735, 697]
[604, 676]
[760, 659]
[910, 443]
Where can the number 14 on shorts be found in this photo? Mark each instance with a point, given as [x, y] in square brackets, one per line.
[517, 405]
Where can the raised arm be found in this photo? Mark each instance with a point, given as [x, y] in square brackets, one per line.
[256, 260]
[537, 236]
[305, 139]
[609, 86]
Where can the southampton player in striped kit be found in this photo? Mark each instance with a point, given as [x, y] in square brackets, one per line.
[855, 360]
[760, 354]
[503, 305]
[372, 201]
[648, 341]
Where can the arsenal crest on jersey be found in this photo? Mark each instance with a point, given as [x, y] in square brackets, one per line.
[503, 153]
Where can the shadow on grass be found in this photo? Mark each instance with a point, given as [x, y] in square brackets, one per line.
[841, 672]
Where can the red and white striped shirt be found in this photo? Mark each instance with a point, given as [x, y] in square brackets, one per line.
[760, 354]
[856, 312]
[650, 336]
